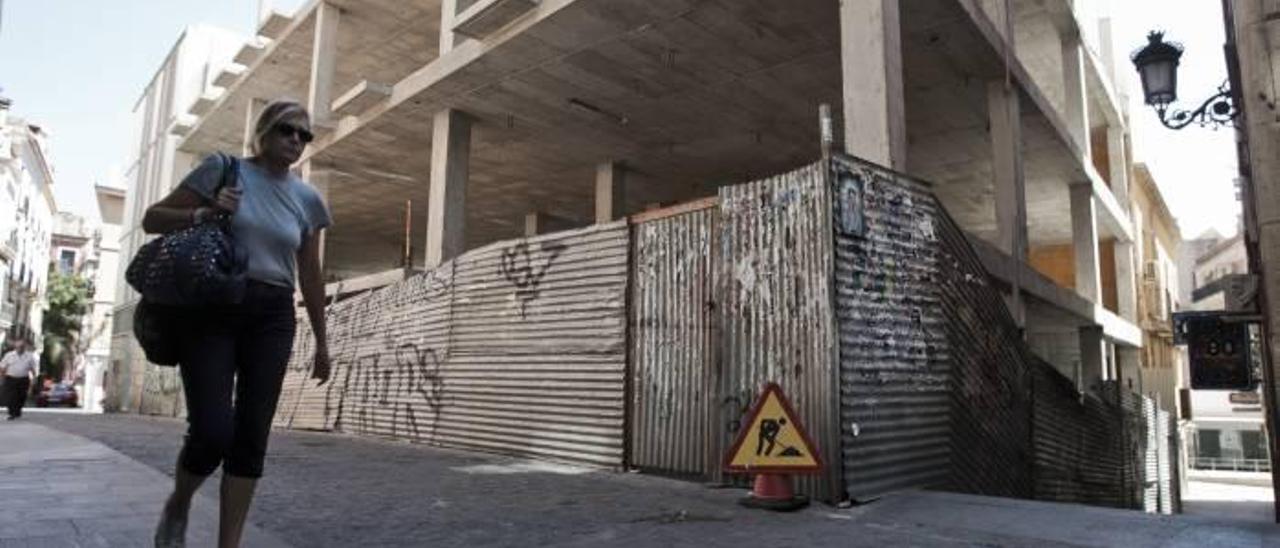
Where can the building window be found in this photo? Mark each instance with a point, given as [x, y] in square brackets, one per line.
[1210, 446]
[67, 261]
[1254, 444]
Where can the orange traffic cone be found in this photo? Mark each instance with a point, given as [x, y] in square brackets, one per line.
[772, 491]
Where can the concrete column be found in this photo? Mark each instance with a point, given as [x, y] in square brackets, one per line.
[446, 206]
[1075, 93]
[1119, 161]
[251, 111]
[1093, 357]
[1004, 111]
[448, 13]
[871, 64]
[1126, 280]
[1084, 240]
[1128, 361]
[324, 54]
[610, 192]
[1005, 119]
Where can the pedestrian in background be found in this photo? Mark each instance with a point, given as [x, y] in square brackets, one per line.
[244, 348]
[19, 366]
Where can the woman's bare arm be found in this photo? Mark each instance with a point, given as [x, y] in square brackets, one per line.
[175, 212]
[312, 284]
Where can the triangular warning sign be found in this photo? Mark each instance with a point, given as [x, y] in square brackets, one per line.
[772, 439]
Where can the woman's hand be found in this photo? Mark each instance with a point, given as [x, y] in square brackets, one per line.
[228, 199]
[320, 369]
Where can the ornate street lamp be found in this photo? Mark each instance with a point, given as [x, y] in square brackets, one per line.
[1157, 64]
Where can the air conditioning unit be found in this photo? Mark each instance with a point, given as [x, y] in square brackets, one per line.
[1152, 303]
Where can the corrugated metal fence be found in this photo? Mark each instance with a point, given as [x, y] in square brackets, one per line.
[517, 347]
[991, 414]
[851, 288]
[776, 312]
[674, 339]
[895, 366]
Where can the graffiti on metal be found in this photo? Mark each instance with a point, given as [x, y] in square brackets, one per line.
[525, 271]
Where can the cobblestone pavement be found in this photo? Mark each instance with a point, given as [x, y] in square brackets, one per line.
[332, 490]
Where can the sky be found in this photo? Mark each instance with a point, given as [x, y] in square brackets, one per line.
[76, 67]
[1195, 167]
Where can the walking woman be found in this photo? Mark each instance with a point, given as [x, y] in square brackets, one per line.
[277, 218]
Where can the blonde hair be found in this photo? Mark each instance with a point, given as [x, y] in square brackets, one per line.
[271, 116]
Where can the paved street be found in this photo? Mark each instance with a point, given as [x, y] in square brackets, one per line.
[1229, 495]
[89, 480]
[63, 490]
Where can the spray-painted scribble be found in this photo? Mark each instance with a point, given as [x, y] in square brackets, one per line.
[519, 266]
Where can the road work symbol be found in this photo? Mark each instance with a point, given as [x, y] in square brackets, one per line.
[769, 429]
[773, 439]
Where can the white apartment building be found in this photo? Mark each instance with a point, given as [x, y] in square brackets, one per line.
[155, 166]
[1229, 430]
[89, 249]
[26, 221]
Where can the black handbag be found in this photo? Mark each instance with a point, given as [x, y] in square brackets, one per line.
[157, 328]
[198, 266]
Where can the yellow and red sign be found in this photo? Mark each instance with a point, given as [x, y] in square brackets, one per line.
[772, 439]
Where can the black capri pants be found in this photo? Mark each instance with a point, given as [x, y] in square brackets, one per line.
[242, 348]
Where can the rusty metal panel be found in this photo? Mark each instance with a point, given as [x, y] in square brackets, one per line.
[536, 359]
[673, 343]
[776, 314]
[894, 362]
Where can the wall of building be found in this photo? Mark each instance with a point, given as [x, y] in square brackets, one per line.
[1157, 243]
[154, 167]
[28, 181]
[1228, 257]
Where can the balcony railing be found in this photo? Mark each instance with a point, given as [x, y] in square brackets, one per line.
[1234, 465]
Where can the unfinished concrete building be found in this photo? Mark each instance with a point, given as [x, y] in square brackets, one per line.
[445, 126]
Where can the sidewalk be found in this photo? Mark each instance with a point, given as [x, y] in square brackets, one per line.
[61, 490]
[325, 490]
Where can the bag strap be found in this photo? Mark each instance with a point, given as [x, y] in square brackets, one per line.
[230, 172]
[230, 178]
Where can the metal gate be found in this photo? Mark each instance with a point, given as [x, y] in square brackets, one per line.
[674, 339]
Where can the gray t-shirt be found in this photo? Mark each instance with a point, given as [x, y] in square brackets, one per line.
[273, 217]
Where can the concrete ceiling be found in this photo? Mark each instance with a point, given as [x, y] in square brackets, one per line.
[688, 95]
[378, 40]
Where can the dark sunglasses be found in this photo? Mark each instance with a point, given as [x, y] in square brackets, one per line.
[289, 130]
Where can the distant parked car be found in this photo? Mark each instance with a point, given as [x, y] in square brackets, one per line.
[61, 394]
